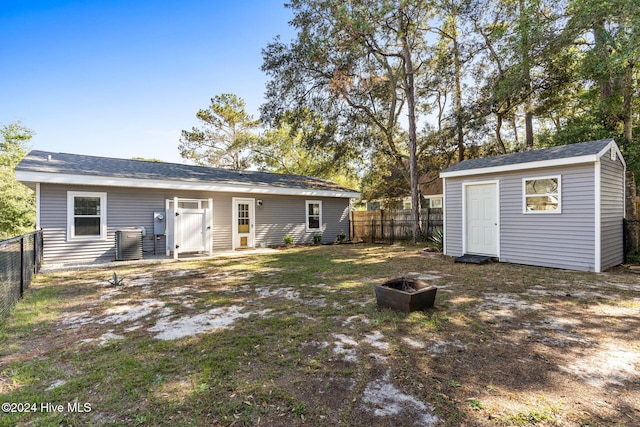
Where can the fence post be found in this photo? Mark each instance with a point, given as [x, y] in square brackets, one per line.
[373, 230]
[392, 231]
[35, 251]
[428, 215]
[21, 266]
[350, 226]
[625, 230]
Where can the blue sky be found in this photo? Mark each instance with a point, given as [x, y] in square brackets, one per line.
[122, 78]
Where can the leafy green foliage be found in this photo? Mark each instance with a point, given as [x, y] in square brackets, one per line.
[359, 66]
[223, 139]
[17, 202]
[298, 145]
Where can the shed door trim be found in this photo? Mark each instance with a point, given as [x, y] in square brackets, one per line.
[495, 250]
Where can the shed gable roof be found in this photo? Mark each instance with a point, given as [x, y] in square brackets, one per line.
[564, 154]
[43, 166]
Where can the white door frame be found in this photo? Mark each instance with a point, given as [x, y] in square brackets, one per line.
[172, 232]
[464, 213]
[252, 230]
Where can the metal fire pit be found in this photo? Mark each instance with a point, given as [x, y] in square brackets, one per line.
[405, 294]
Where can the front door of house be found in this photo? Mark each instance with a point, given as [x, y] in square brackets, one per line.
[243, 223]
[481, 219]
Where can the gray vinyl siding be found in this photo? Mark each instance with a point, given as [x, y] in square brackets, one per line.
[612, 211]
[282, 215]
[560, 240]
[453, 216]
[131, 207]
[565, 240]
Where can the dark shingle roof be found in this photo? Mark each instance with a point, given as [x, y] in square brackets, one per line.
[544, 154]
[74, 164]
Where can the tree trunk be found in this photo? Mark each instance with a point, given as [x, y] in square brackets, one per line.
[604, 78]
[458, 72]
[503, 149]
[526, 77]
[627, 104]
[631, 213]
[409, 88]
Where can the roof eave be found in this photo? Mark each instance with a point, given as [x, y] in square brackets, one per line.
[590, 158]
[27, 177]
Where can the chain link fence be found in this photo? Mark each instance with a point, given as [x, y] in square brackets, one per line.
[20, 261]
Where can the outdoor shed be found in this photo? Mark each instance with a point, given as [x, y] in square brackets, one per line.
[84, 202]
[560, 207]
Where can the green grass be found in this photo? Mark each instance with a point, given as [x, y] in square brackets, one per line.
[277, 366]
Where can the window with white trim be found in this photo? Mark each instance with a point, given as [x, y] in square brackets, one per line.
[86, 215]
[435, 202]
[313, 212]
[541, 195]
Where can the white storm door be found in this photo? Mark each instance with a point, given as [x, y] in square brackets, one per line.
[481, 219]
[243, 223]
[192, 230]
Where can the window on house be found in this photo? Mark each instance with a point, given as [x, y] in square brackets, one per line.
[542, 195]
[313, 215]
[86, 215]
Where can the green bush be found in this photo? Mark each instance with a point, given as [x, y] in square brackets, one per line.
[317, 239]
[288, 239]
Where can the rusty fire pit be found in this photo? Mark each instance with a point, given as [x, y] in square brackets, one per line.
[405, 294]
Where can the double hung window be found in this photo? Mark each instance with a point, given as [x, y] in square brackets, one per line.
[86, 215]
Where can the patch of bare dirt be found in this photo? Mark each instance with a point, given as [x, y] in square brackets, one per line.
[504, 345]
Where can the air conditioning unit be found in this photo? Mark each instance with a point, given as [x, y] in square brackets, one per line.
[128, 244]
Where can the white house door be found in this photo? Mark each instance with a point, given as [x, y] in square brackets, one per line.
[192, 226]
[243, 223]
[481, 219]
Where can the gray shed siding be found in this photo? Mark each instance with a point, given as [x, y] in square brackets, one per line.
[565, 240]
[453, 216]
[612, 211]
[132, 207]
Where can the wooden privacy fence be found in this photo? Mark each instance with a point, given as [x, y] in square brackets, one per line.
[388, 226]
[20, 260]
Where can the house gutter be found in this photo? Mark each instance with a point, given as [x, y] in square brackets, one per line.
[30, 177]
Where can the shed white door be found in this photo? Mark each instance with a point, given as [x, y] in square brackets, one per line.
[481, 219]
[192, 230]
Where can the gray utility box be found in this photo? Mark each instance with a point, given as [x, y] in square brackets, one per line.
[128, 244]
[159, 223]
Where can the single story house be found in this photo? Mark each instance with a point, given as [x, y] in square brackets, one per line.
[82, 201]
[559, 207]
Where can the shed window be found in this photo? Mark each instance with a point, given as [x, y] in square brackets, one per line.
[313, 215]
[86, 215]
[542, 195]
